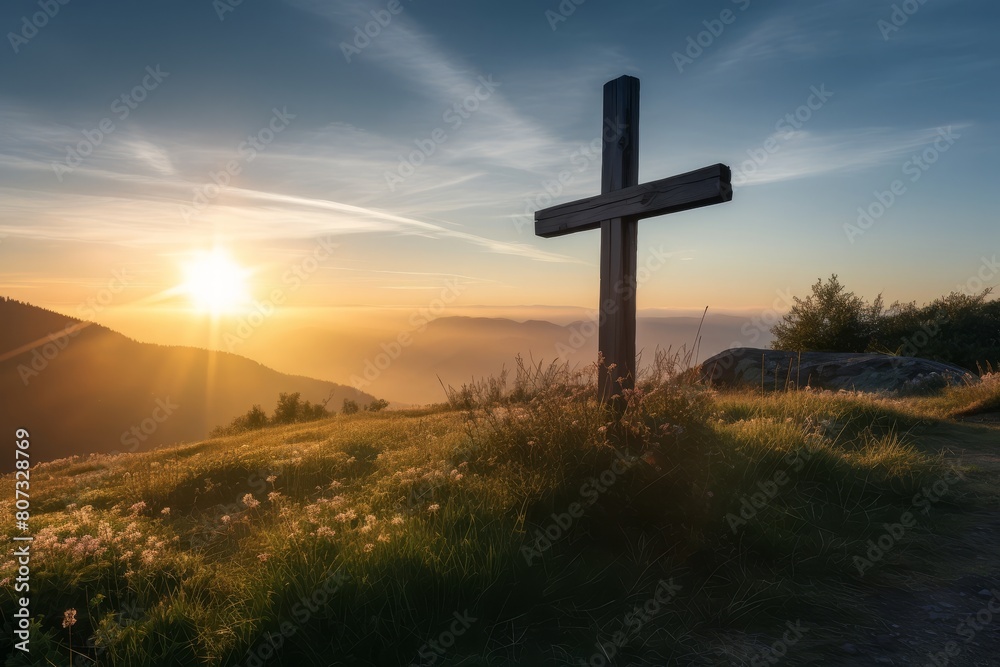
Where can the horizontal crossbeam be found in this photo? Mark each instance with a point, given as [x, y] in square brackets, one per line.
[703, 187]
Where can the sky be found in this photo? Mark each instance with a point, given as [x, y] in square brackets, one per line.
[353, 156]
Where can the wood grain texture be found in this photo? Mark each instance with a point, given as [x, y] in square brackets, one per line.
[619, 239]
[702, 187]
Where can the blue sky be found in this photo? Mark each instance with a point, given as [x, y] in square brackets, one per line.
[228, 72]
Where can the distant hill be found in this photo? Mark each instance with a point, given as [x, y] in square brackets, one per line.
[80, 387]
[455, 349]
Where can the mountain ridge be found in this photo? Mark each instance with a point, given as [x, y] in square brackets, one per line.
[90, 389]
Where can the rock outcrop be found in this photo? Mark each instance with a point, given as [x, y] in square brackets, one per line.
[775, 369]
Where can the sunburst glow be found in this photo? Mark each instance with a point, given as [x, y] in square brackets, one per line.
[215, 283]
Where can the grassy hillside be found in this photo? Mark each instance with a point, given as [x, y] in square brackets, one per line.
[86, 390]
[522, 525]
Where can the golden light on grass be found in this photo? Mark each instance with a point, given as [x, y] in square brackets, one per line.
[215, 283]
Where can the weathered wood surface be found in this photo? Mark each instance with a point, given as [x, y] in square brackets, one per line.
[619, 239]
[617, 211]
[702, 187]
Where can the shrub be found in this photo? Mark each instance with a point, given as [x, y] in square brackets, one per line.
[350, 407]
[959, 329]
[829, 320]
[289, 410]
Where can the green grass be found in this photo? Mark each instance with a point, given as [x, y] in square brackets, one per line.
[196, 554]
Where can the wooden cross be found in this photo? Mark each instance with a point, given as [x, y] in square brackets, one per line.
[616, 212]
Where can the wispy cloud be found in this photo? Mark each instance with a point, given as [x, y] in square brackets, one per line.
[130, 192]
[803, 154]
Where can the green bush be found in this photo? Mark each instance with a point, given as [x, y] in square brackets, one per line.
[829, 320]
[960, 329]
[289, 410]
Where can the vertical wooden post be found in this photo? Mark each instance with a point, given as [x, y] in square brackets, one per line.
[619, 237]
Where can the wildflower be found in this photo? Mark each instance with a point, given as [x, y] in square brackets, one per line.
[383, 538]
[263, 557]
[69, 618]
[397, 520]
[344, 517]
[335, 484]
[271, 479]
[365, 528]
[324, 531]
[274, 495]
[433, 508]
[165, 511]
[602, 429]
[138, 507]
[371, 519]
[369, 548]
[250, 501]
[226, 518]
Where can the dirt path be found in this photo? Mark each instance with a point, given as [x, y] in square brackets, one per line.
[949, 613]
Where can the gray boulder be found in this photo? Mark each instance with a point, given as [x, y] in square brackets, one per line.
[775, 369]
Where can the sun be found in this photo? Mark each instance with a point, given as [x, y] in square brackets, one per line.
[215, 283]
